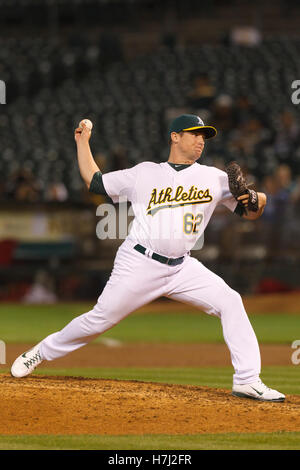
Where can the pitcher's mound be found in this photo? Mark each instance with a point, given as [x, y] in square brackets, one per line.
[69, 405]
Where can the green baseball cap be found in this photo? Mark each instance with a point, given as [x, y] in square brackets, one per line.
[190, 122]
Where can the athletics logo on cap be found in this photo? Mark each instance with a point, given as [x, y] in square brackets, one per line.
[191, 122]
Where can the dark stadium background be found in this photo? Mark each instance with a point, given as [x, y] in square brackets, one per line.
[131, 66]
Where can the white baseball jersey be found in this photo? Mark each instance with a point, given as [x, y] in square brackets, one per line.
[171, 208]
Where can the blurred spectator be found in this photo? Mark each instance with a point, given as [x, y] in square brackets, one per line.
[245, 36]
[286, 186]
[119, 158]
[295, 196]
[244, 109]
[271, 188]
[288, 133]
[223, 114]
[283, 177]
[101, 160]
[247, 136]
[56, 191]
[279, 210]
[172, 112]
[271, 218]
[203, 92]
[42, 290]
[23, 187]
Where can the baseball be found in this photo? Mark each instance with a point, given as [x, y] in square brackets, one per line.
[87, 122]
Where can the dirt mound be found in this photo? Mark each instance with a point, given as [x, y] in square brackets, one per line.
[67, 405]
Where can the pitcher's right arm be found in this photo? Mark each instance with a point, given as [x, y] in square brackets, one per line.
[86, 162]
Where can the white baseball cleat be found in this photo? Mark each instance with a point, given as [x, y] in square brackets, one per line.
[27, 362]
[257, 391]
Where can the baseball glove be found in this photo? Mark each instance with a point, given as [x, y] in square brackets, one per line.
[238, 187]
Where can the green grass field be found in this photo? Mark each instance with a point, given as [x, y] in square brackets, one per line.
[23, 323]
[230, 441]
[32, 323]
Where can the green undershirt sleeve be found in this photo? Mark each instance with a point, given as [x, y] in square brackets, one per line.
[96, 185]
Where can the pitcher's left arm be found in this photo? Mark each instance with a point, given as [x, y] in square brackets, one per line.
[251, 204]
[262, 201]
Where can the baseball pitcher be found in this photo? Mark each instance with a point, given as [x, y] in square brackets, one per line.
[172, 202]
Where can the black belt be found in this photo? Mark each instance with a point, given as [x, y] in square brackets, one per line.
[161, 259]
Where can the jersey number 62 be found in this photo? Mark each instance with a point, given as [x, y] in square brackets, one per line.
[191, 223]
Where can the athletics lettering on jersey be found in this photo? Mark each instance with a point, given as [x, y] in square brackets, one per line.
[161, 198]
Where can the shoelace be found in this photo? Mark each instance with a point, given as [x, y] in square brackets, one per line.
[33, 360]
[264, 386]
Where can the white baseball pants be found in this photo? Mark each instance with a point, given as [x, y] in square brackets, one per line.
[137, 280]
